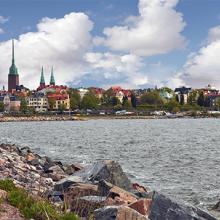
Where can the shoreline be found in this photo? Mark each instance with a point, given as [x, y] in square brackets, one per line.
[91, 117]
[101, 184]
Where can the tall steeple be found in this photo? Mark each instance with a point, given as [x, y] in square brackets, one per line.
[42, 80]
[13, 69]
[13, 77]
[52, 80]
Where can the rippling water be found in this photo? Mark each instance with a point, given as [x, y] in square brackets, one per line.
[179, 157]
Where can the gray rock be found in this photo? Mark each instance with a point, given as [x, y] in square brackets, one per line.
[118, 213]
[65, 183]
[163, 208]
[107, 170]
[106, 213]
[217, 207]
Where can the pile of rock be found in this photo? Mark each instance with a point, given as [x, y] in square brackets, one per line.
[28, 170]
[105, 190]
[100, 191]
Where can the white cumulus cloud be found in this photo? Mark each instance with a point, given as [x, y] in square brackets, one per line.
[203, 67]
[123, 67]
[61, 43]
[156, 30]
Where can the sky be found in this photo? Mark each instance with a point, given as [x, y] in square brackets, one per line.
[102, 43]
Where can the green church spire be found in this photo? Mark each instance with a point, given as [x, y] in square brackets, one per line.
[13, 69]
[42, 80]
[52, 80]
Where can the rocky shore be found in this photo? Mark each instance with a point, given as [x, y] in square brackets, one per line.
[101, 191]
[39, 118]
[85, 118]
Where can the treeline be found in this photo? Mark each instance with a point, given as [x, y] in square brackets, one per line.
[150, 100]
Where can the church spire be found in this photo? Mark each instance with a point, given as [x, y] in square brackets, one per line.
[42, 80]
[13, 69]
[52, 80]
[13, 52]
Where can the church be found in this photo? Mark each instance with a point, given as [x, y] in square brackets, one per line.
[13, 76]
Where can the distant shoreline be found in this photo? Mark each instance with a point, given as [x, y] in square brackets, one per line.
[90, 117]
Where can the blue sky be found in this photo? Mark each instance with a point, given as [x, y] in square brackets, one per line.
[159, 67]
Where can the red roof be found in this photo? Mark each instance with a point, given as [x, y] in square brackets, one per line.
[58, 96]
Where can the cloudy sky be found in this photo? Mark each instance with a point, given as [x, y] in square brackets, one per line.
[132, 43]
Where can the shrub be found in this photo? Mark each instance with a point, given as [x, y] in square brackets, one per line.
[30, 207]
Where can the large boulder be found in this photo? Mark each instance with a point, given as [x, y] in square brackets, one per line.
[56, 173]
[108, 170]
[118, 213]
[143, 206]
[86, 205]
[82, 189]
[163, 208]
[65, 183]
[217, 207]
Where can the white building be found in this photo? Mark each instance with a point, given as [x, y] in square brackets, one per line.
[38, 102]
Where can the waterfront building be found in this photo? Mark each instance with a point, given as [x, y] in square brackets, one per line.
[120, 93]
[182, 94]
[210, 90]
[59, 101]
[38, 101]
[97, 91]
[11, 103]
[13, 76]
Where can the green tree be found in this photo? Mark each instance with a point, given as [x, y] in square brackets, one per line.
[166, 89]
[192, 99]
[201, 99]
[152, 98]
[2, 107]
[74, 99]
[51, 102]
[115, 101]
[106, 99]
[133, 100]
[126, 103]
[89, 101]
[172, 106]
[62, 108]
[218, 103]
[118, 107]
[23, 106]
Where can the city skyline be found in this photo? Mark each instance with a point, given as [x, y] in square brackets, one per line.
[136, 44]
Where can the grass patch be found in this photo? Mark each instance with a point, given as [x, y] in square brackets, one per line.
[30, 207]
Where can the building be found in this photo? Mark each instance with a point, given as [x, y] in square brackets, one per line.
[11, 103]
[182, 94]
[120, 93]
[13, 76]
[38, 101]
[59, 101]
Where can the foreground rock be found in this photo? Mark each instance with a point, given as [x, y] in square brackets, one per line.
[28, 170]
[163, 208]
[118, 213]
[107, 170]
[102, 189]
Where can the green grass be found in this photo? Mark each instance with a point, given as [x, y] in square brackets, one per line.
[30, 207]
